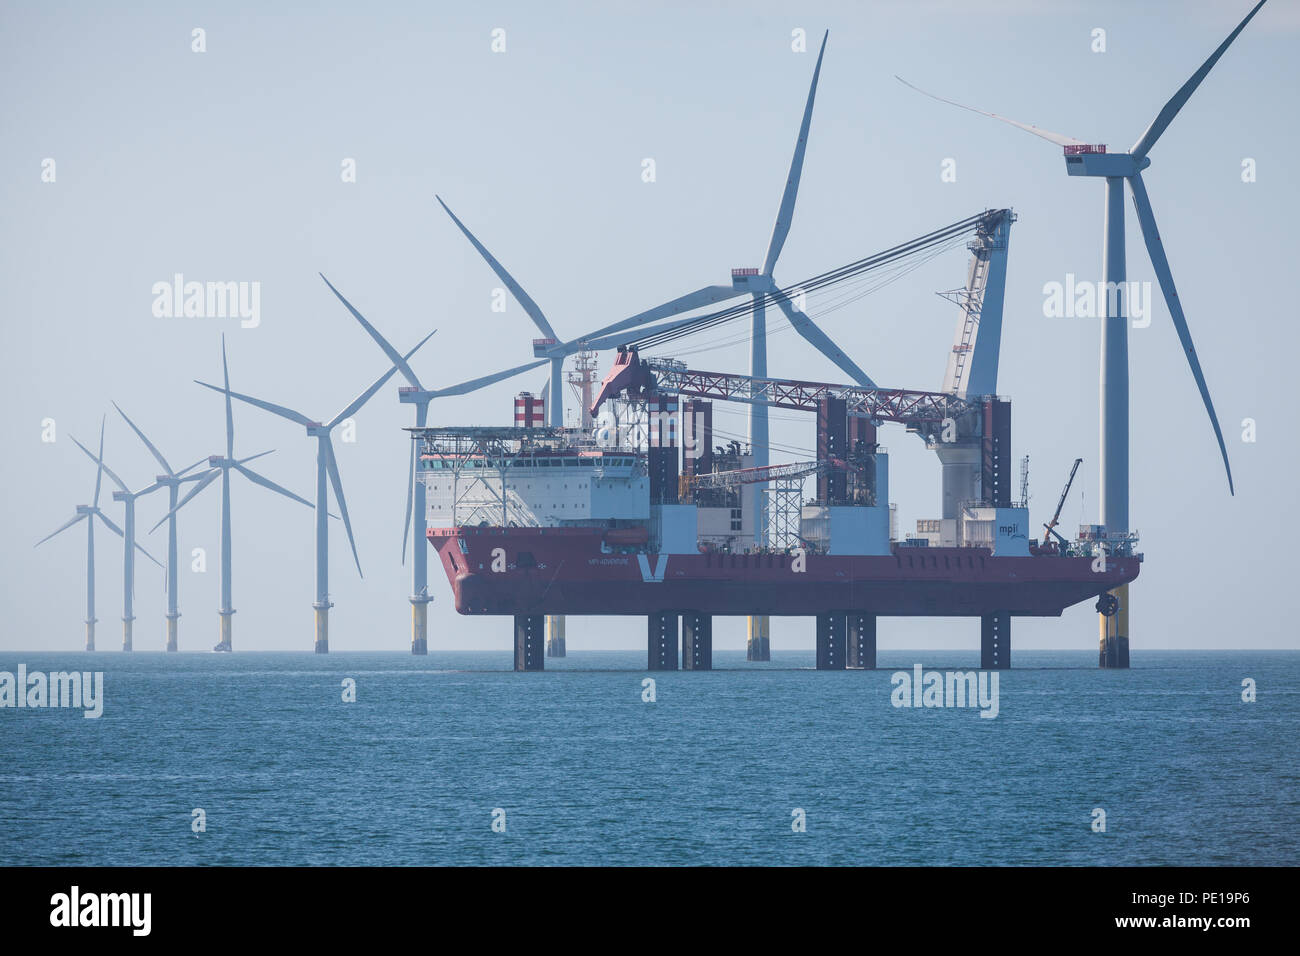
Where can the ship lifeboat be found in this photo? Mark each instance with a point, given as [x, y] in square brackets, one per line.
[626, 537]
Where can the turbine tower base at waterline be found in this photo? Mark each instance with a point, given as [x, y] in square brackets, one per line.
[223, 627]
[90, 635]
[555, 635]
[126, 633]
[1113, 651]
[420, 626]
[759, 645]
[322, 627]
[171, 631]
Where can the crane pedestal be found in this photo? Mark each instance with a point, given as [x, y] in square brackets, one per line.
[995, 641]
[697, 641]
[862, 641]
[830, 641]
[530, 635]
[661, 641]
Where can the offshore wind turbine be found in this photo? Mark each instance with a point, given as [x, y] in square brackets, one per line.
[172, 481]
[223, 465]
[327, 475]
[90, 512]
[1084, 159]
[127, 497]
[417, 518]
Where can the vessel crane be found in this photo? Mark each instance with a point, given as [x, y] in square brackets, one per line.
[749, 476]
[1056, 516]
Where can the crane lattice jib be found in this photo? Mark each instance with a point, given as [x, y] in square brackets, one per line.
[906, 406]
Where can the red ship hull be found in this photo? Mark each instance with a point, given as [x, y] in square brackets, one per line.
[565, 571]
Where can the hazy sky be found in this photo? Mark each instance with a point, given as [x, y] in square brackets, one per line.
[226, 165]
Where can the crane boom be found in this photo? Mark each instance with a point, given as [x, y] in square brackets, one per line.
[749, 476]
[1056, 517]
[636, 376]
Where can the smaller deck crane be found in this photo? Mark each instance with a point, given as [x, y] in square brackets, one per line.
[1056, 517]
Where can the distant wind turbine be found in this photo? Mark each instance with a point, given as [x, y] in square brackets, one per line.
[223, 465]
[90, 512]
[172, 481]
[127, 497]
[326, 468]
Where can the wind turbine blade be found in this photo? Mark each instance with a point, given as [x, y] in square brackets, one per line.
[621, 338]
[368, 393]
[274, 409]
[821, 341]
[393, 355]
[118, 531]
[1051, 137]
[683, 303]
[230, 414]
[410, 501]
[785, 213]
[147, 443]
[1166, 115]
[108, 522]
[260, 454]
[1156, 250]
[189, 468]
[206, 480]
[99, 472]
[515, 288]
[268, 483]
[333, 467]
[108, 471]
[475, 384]
[63, 527]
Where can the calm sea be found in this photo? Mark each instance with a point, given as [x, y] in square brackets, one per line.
[712, 772]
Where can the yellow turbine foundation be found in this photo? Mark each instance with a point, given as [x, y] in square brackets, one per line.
[419, 627]
[555, 635]
[1113, 650]
[322, 630]
[759, 645]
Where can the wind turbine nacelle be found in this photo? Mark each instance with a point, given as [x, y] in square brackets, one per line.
[542, 347]
[751, 280]
[121, 496]
[216, 461]
[85, 510]
[1095, 161]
